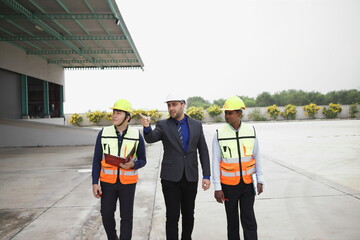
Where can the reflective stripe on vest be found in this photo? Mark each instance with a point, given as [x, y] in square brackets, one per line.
[236, 160]
[109, 172]
[128, 173]
[237, 154]
[110, 145]
[237, 173]
[230, 174]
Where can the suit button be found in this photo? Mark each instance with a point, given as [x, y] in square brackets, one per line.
[184, 156]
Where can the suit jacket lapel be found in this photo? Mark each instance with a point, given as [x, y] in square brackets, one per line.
[191, 130]
[174, 130]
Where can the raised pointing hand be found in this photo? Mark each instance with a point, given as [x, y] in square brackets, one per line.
[145, 121]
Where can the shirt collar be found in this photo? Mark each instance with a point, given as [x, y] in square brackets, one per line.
[118, 133]
[182, 121]
[235, 130]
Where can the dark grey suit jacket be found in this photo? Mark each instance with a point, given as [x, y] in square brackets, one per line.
[175, 160]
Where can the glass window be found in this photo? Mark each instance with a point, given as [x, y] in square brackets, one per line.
[36, 98]
[54, 100]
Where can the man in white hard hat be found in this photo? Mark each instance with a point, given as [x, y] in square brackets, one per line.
[183, 139]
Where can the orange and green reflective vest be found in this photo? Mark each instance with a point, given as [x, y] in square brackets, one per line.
[110, 145]
[237, 160]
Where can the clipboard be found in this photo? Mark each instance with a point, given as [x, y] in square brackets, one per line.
[254, 181]
[115, 160]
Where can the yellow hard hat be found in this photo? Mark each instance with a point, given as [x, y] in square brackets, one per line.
[122, 105]
[234, 103]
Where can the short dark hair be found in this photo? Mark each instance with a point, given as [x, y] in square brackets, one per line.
[126, 113]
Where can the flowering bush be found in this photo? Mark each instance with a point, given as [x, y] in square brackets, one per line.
[135, 113]
[332, 111]
[196, 113]
[256, 115]
[273, 111]
[311, 109]
[214, 110]
[289, 112]
[154, 114]
[95, 117]
[353, 110]
[108, 116]
[75, 119]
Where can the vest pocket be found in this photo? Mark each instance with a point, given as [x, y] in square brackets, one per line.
[249, 164]
[228, 169]
[227, 166]
[128, 176]
[248, 148]
[226, 152]
[108, 175]
[249, 168]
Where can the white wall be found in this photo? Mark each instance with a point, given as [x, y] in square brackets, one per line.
[300, 115]
[10, 95]
[15, 59]
[21, 133]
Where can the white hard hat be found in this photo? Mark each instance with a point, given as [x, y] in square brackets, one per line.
[175, 97]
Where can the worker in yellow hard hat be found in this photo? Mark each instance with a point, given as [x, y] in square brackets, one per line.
[123, 105]
[118, 142]
[234, 103]
[237, 170]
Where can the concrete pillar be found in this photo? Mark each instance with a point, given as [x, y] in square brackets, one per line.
[24, 97]
[61, 101]
[46, 99]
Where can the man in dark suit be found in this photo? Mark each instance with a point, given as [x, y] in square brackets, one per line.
[183, 139]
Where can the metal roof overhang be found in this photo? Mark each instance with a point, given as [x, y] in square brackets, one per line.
[70, 33]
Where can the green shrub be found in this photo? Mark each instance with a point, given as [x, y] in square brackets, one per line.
[154, 114]
[108, 116]
[256, 115]
[332, 111]
[95, 117]
[311, 109]
[196, 113]
[214, 110]
[273, 111]
[353, 110]
[135, 113]
[75, 119]
[289, 112]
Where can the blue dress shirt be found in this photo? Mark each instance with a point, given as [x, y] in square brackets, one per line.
[185, 133]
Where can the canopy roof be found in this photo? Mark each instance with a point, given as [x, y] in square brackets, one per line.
[70, 33]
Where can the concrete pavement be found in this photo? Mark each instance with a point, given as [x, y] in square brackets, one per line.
[312, 170]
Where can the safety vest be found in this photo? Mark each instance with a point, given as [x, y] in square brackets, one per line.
[237, 160]
[110, 145]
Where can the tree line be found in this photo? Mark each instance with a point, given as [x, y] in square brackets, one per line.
[283, 98]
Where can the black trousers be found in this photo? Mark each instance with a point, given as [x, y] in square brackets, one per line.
[111, 193]
[179, 196]
[240, 195]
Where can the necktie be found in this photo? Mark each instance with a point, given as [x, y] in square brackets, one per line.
[180, 134]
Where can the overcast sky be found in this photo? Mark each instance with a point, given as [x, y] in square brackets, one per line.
[216, 49]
